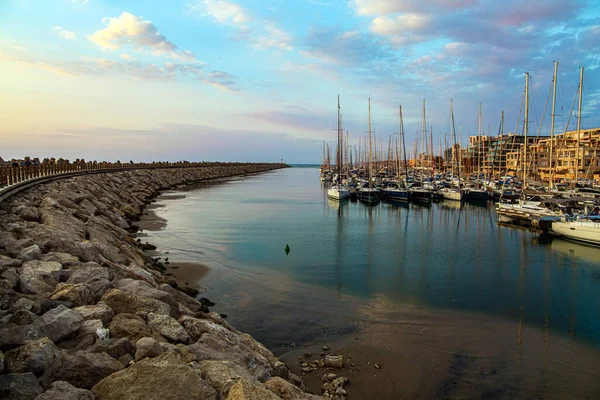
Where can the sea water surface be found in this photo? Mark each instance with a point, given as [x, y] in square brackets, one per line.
[349, 263]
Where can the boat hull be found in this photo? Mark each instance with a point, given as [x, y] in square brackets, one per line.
[586, 232]
[395, 195]
[421, 196]
[338, 194]
[452, 195]
[368, 196]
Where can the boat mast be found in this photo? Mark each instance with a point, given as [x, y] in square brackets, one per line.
[339, 142]
[525, 130]
[424, 134]
[370, 152]
[403, 144]
[431, 149]
[479, 122]
[454, 137]
[552, 126]
[579, 125]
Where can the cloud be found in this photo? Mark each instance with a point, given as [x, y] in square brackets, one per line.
[263, 34]
[129, 29]
[221, 80]
[63, 33]
[379, 7]
[298, 119]
[223, 12]
[19, 48]
[273, 37]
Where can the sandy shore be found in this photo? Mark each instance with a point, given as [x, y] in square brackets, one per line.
[186, 273]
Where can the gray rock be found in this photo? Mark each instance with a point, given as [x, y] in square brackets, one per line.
[114, 347]
[83, 369]
[12, 277]
[141, 288]
[147, 347]
[129, 326]
[188, 301]
[121, 302]
[217, 373]
[65, 259]
[58, 323]
[96, 311]
[287, 390]
[26, 304]
[79, 295]
[39, 277]
[28, 213]
[16, 335]
[34, 356]
[196, 327]
[169, 328]
[22, 317]
[1, 363]
[7, 262]
[19, 387]
[31, 253]
[244, 390]
[153, 378]
[94, 276]
[61, 390]
[126, 360]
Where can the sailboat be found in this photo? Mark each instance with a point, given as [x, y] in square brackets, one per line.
[417, 192]
[338, 191]
[477, 192]
[452, 193]
[369, 195]
[399, 193]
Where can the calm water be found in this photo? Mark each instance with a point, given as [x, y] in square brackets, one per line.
[444, 257]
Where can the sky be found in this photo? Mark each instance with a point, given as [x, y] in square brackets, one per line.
[254, 80]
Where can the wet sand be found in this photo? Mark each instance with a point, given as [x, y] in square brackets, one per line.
[151, 221]
[434, 353]
[186, 273]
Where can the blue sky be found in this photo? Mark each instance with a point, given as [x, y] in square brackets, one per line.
[258, 80]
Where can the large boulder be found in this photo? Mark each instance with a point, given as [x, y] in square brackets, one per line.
[7, 262]
[288, 391]
[96, 311]
[217, 373]
[22, 317]
[11, 275]
[147, 347]
[19, 387]
[34, 356]
[129, 326]
[77, 294]
[39, 277]
[16, 335]
[61, 390]
[28, 213]
[83, 369]
[122, 302]
[114, 347]
[142, 288]
[164, 377]
[244, 390]
[94, 276]
[58, 323]
[30, 253]
[196, 327]
[66, 259]
[182, 298]
[169, 328]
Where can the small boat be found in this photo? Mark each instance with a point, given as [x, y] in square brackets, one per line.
[585, 230]
[395, 193]
[451, 194]
[369, 195]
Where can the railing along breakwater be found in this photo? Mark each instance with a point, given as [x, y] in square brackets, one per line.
[13, 179]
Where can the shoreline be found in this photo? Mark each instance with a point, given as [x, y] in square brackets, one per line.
[86, 312]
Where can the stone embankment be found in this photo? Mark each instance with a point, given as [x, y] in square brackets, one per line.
[85, 314]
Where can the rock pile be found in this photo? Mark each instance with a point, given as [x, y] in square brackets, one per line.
[85, 314]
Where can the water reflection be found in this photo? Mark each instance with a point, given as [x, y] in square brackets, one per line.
[449, 255]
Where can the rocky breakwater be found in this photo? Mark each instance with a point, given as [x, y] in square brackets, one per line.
[85, 314]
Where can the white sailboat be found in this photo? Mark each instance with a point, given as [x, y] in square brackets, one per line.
[369, 195]
[452, 193]
[582, 230]
[338, 191]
